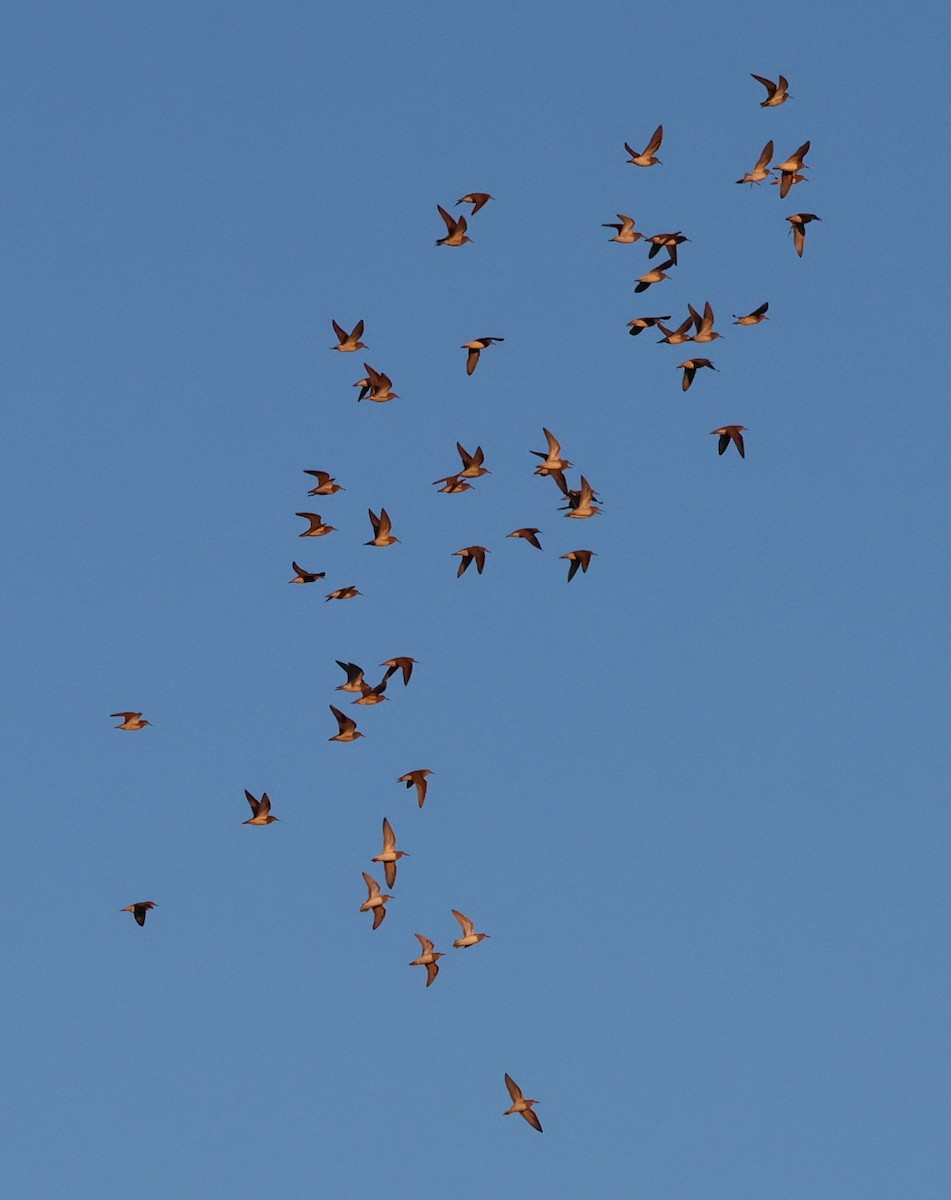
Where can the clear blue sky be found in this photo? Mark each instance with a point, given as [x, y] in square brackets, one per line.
[698, 798]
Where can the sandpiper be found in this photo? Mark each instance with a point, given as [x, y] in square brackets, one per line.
[130, 720]
[260, 810]
[469, 935]
[475, 348]
[140, 910]
[349, 341]
[374, 901]
[520, 1104]
[389, 856]
[646, 157]
[427, 958]
[576, 559]
[417, 779]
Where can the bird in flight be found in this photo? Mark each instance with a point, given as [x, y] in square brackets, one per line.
[303, 576]
[730, 433]
[475, 348]
[469, 935]
[776, 93]
[317, 527]
[389, 856]
[260, 810]
[625, 231]
[789, 169]
[375, 386]
[417, 779]
[476, 199]
[639, 324]
[521, 1105]
[381, 529]
[759, 172]
[400, 663]
[753, 318]
[653, 276]
[674, 337]
[140, 910]
[326, 485]
[528, 534]
[646, 157]
[552, 460]
[472, 467]
[355, 679]
[690, 368]
[374, 901]
[372, 695]
[346, 728]
[349, 341]
[344, 593]
[453, 484]
[798, 222]
[455, 229]
[704, 324]
[470, 554]
[130, 720]
[576, 559]
[668, 242]
[427, 958]
[584, 507]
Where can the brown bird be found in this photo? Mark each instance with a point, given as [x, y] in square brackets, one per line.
[776, 93]
[416, 779]
[674, 337]
[346, 728]
[455, 229]
[326, 485]
[453, 484]
[376, 386]
[355, 680]
[668, 242]
[572, 495]
[730, 433]
[317, 527]
[690, 368]
[578, 558]
[528, 534]
[799, 221]
[552, 460]
[704, 324]
[475, 348]
[469, 935]
[344, 593]
[389, 856]
[130, 720]
[759, 172]
[795, 178]
[374, 901]
[303, 576]
[260, 810]
[471, 464]
[584, 506]
[428, 958]
[381, 529]
[639, 324]
[476, 199]
[470, 554]
[140, 910]
[521, 1105]
[753, 318]
[792, 166]
[625, 231]
[646, 157]
[349, 341]
[400, 663]
[654, 276]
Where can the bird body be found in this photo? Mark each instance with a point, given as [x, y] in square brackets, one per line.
[776, 93]
[375, 902]
[647, 156]
[455, 229]
[130, 720]
[760, 171]
[753, 318]
[346, 728]
[576, 559]
[326, 484]
[417, 779]
[469, 935]
[469, 554]
[303, 576]
[730, 433]
[476, 199]
[317, 526]
[528, 534]
[140, 910]
[475, 348]
[260, 810]
[521, 1105]
[626, 234]
[389, 856]
[428, 958]
[349, 341]
[690, 368]
[381, 529]
[798, 222]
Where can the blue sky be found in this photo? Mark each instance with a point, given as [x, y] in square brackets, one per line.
[698, 798]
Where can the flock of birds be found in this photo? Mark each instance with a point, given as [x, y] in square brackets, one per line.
[580, 503]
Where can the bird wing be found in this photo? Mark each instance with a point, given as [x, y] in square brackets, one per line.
[467, 926]
[764, 158]
[252, 802]
[425, 943]
[656, 138]
[389, 837]
[514, 1090]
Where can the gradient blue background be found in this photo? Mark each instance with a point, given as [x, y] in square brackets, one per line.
[698, 798]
